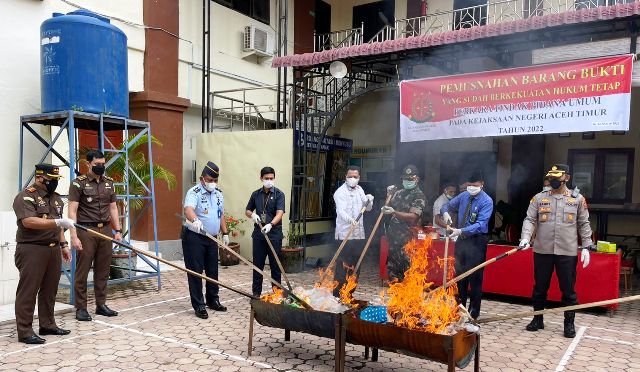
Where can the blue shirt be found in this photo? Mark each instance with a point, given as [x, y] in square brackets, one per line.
[481, 210]
[208, 206]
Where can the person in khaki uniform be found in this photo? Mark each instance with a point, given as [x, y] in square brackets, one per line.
[558, 217]
[41, 244]
[92, 203]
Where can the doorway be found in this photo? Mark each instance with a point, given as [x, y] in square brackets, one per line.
[374, 16]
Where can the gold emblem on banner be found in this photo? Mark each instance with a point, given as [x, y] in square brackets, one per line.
[421, 108]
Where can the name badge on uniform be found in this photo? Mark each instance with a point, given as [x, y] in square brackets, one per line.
[473, 218]
[263, 218]
[219, 213]
[206, 211]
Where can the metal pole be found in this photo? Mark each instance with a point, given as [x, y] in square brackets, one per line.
[208, 64]
[20, 162]
[153, 201]
[72, 169]
[204, 8]
[284, 70]
[279, 54]
[244, 107]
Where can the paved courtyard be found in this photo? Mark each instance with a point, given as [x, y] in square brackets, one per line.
[158, 331]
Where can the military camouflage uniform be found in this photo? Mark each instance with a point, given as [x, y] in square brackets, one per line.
[399, 232]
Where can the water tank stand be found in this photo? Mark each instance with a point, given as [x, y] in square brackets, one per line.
[134, 132]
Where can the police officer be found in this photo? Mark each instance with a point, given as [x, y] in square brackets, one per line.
[41, 244]
[92, 203]
[349, 199]
[559, 217]
[204, 208]
[266, 208]
[405, 208]
[474, 209]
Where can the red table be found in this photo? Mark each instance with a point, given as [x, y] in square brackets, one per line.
[513, 275]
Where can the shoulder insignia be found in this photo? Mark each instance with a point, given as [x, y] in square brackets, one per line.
[220, 191]
[31, 189]
[82, 178]
[76, 184]
[196, 189]
[108, 178]
[28, 198]
[532, 200]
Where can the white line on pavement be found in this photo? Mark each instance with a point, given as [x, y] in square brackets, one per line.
[55, 342]
[610, 340]
[173, 299]
[570, 349]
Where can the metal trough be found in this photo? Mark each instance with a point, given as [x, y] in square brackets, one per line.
[456, 350]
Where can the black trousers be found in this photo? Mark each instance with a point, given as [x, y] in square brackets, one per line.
[565, 267]
[200, 253]
[261, 251]
[346, 261]
[471, 252]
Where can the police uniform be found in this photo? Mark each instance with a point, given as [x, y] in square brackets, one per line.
[200, 252]
[94, 195]
[398, 231]
[266, 204]
[558, 220]
[37, 256]
[474, 212]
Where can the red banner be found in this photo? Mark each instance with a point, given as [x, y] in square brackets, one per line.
[586, 95]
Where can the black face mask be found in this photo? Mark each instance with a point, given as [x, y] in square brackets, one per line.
[98, 169]
[555, 183]
[51, 185]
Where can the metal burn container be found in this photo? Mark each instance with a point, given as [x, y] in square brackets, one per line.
[454, 351]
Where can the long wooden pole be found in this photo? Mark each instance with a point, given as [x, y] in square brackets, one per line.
[447, 239]
[346, 238]
[237, 255]
[559, 309]
[474, 269]
[152, 256]
[278, 262]
[373, 232]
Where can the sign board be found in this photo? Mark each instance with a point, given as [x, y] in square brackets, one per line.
[578, 96]
[329, 143]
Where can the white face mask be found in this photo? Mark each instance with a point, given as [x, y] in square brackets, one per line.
[268, 183]
[546, 188]
[352, 181]
[449, 197]
[474, 190]
[210, 186]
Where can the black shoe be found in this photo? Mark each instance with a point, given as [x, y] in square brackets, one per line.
[57, 331]
[536, 324]
[105, 311]
[216, 305]
[569, 330]
[202, 313]
[32, 340]
[83, 315]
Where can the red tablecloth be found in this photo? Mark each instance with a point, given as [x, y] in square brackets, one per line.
[513, 275]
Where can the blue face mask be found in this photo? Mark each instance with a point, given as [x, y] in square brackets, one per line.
[409, 184]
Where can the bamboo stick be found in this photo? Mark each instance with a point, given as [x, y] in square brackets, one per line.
[278, 262]
[373, 232]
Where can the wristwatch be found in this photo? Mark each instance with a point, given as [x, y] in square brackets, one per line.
[64, 245]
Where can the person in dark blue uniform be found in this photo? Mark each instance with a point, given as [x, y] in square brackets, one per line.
[474, 208]
[266, 208]
[204, 208]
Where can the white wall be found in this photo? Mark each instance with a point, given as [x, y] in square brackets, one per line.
[229, 69]
[20, 22]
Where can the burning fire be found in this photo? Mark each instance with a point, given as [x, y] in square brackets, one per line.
[276, 297]
[406, 302]
[326, 280]
[346, 292]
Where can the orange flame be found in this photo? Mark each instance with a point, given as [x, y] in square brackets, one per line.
[346, 292]
[407, 305]
[326, 280]
[275, 298]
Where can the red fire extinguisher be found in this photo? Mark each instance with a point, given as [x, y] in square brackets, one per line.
[423, 7]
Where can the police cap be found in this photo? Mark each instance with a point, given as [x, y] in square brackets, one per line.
[48, 170]
[557, 170]
[211, 169]
[409, 171]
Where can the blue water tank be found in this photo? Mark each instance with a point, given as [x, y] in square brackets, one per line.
[83, 64]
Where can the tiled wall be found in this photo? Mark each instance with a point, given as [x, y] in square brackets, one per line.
[8, 272]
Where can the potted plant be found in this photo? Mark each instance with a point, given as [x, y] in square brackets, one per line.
[233, 226]
[138, 170]
[292, 254]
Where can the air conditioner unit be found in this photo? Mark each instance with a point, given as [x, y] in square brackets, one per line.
[258, 41]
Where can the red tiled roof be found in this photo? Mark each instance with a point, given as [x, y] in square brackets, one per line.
[466, 34]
